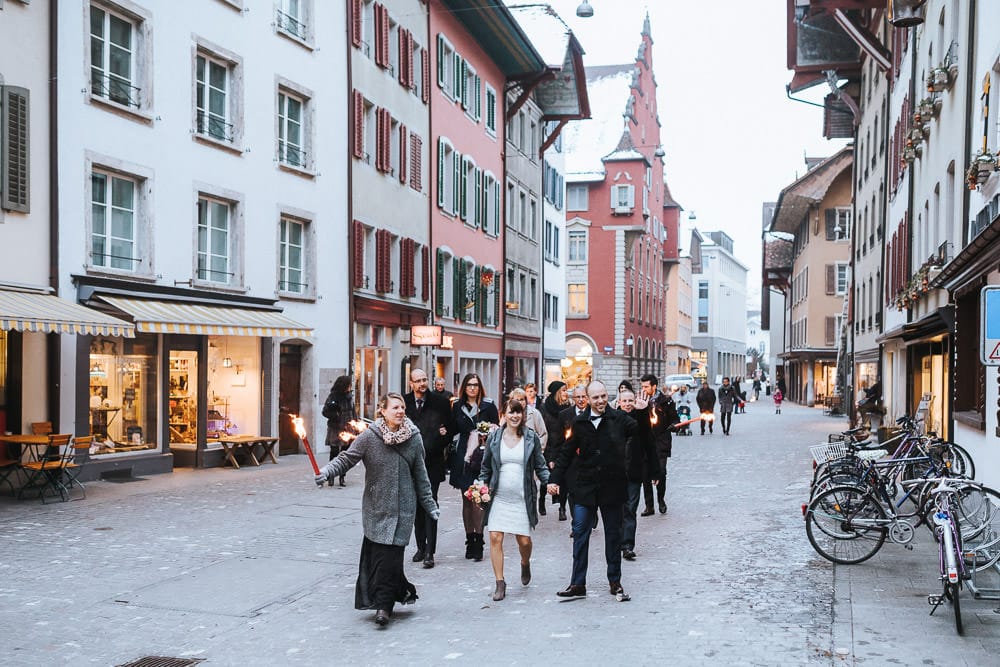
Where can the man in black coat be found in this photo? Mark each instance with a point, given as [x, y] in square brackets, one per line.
[598, 445]
[662, 420]
[560, 439]
[640, 464]
[706, 404]
[555, 403]
[439, 390]
[431, 413]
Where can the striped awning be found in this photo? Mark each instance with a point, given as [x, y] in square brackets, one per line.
[192, 318]
[48, 313]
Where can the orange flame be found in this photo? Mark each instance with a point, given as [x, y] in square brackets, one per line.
[569, 432]
[707, 417]
[653, 418]
[345, 436]
[300, 425]
[356, 426]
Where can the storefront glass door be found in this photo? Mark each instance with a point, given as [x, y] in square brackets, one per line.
[183, 408]
[371, 378]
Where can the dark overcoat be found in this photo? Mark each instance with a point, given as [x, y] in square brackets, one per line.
[463, 427]
[599, 454]
[435, 413]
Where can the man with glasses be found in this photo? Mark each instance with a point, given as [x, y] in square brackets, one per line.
[431, 413]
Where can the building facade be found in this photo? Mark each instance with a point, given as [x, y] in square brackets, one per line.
[718, 342]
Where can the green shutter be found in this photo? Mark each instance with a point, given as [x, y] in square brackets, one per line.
[457, 175]
[463, 85]
[441, 173]
[497, 303]
[496, 208]
[458, 293]
[439, 285]
[478, 103]
[477, 213]
[463, 203]
[478, 305]
[440, 61]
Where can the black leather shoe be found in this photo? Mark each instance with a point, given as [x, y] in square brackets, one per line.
[541, 507]
[429, 561]
[381, 618]
[663, 507]
[615, 587]
[573, 591]
[628, 554]
[562, 514]
[419, 556]
[649, 511]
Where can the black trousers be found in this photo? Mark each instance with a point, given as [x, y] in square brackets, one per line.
[727, 421]
[425, 529]
[381, 581]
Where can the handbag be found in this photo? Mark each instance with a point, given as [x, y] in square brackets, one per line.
[475, 462]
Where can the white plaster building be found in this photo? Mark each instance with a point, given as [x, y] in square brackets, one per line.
[720, 298]
[202, 162]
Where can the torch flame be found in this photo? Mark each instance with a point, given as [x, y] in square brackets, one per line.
[569, 431]
[358, 425]
[345, 436]
[300, 425]
[653, 418]
[707, 417]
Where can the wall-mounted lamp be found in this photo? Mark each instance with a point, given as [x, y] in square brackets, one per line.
[630, 341]
[659, 152]
[906, 13]
[585, 11]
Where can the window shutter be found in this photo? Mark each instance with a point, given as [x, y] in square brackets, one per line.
[496, 218]
[378, 139]
[440, 173]
[387, 141]
[377, 13]
[439, 284]
[401, 39]
[477, 104]
[425, 67]
[831, 333]
[356, 22]
[404, 264]
[497, 300]
[831, 224]
[457, 298]
[359, 125]
[463, 83]
[457, 79]
[477, 311]
[409, 59]
[831, 278]
[15, 190]
[379, 260]
[415, 162]
[385, 37]
[456, 167]
[425, 273]
[477, 186]
[403, 135]
[359, 255]
[463, 200]
[631, 196]
[440, 61]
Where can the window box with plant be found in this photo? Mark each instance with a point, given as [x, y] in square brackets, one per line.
[982, 166]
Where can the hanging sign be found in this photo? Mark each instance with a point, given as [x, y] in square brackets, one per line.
[429, 335]
[989, 322]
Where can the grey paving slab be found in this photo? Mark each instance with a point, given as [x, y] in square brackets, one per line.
[257, 567]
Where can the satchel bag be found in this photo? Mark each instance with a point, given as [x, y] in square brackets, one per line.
[475, 462]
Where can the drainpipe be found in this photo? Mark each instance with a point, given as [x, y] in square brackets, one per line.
[910, 193]
[884, 141]
[53, 341]
[349, 46]
[431, 198]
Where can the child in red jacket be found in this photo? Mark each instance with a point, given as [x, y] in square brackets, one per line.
[778, 398]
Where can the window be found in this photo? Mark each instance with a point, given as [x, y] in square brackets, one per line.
[213, 98]
[292, 130]
[838, 224]
[113, 222]
[445, 67]
[471, 92]
[291, 256]
[550, 308]
[622, 198]
[531, 147]
[15, 162]
[522, 211]
[491, 110]
[490, 201]
[576, 197]
[114, 57]
[467, 196]
[292, 19]
[577, 246]
[214, 240]
[702, 306]
[446, 176]
[552, 233]
[577, 293]
[367, 27]
[842, 277]
[533, 219]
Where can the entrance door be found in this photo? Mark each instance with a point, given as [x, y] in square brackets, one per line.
[183, 397]
[372, 378]
[289, 384]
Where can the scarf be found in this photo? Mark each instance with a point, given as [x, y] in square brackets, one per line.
[404, 433]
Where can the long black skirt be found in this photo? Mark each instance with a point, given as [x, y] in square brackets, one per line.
[381, 581]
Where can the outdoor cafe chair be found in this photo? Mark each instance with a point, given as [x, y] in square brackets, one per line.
[81, 451]
[41, 428]
[46, 474]
[9, 468]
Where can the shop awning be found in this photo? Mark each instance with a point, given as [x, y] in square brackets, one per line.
[48, 313]
[191, 318]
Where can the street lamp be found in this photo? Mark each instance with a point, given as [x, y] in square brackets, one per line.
[585, 11]
[906, 13]
[629, 342]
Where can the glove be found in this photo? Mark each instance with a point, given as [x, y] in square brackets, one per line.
[321, 479]
[436, 514]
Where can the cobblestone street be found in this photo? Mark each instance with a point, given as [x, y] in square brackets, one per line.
[256, 567]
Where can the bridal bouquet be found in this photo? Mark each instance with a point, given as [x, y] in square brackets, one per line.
[478, 493]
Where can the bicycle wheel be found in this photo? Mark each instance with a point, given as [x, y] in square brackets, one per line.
[952, 592]
[977, 515]
[837, 477]
[846, 525]
[962, 463]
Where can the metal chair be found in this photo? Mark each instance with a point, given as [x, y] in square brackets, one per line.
[47, 473]
[9, 467]
[81, 452]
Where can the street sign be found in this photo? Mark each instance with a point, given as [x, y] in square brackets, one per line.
[989, 319]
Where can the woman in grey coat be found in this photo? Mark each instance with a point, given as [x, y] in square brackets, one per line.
[512, 458]
[395, 481]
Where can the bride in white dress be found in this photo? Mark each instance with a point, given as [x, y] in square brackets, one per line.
[512, 459]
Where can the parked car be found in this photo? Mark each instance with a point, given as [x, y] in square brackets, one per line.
[679, 379]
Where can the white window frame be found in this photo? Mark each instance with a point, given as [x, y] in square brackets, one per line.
[842, 278]
[393, 146]
[370, 133]
[491, 111]
[445, 66]
[491, 223]
[533, 208]
[468, 207]
[293, 19]
[142, 221]
[576, 295]
[306, 289]
[369, 258]
[301, 160]
[551, 247]
[577, 245]
[622, 197]
[108, 259]
[368, 28]
[446, 175]
[842, 228]
[234, 201]
[134, 92]
[472, 91]
[204, 254]
[573, 203]
[232, 121]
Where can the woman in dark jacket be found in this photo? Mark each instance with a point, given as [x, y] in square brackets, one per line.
[469, 410]
[513, 457]
[339, 412]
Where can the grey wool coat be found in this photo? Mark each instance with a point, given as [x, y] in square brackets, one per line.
[534, 464]
[395, 481]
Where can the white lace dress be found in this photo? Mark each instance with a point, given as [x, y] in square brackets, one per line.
[508, 512]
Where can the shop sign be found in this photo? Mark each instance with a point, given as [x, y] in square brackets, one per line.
[990, 323]
[425, 335]
[447, 343]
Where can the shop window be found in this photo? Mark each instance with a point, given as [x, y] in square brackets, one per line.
[122, 382]
[183, 397]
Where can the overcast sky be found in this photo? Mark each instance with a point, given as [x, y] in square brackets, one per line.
[732, 137]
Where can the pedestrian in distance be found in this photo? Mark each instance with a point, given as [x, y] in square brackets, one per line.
[555, 402]
[512, 460]
[640, 466]
[439, 389]
[600, 438]
[532, 419]
[624, 385]
[471, 409]
[741, 396]
[662, 422]
[395, 483]
[534, 400]
[706, 405]
[339, 412]
[778, 398]
[756, 389]
[684, 400]
[727, 402]
[431, 413]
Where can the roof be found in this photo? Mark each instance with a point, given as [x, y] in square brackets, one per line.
[808, 191]
[625, 150]
[495, 30]
[779, 252]
[668, 198]
[586, 142]
[548, 33]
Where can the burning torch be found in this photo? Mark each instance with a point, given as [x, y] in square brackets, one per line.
[300, 430]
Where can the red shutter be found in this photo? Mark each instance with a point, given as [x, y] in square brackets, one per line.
[416, 146]
[425, 270]
[401, 38]
[386, 140]
[379, 120]
[380, 261]
[377, 14]
[403, 243]
[425, 64]
[409, 59]
[411, 282]
[359, 254]
[385, 37]
[359, 125]
[356, 22]
[402, 153]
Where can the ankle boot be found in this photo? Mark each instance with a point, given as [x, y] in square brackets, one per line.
[501, 590]
[469, 544]
[477, 547]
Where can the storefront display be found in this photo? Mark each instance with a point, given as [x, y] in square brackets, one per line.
[122, 404]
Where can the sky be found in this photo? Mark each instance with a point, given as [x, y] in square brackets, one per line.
[732, 138]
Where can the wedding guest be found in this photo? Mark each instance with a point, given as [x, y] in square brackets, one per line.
[339, 412]
[395, 482]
